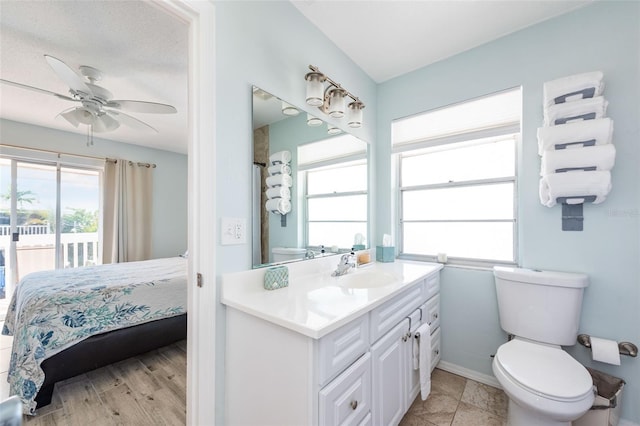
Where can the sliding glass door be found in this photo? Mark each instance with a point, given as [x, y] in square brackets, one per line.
[49, 218]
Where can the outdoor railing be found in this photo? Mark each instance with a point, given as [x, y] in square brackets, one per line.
[25, 229]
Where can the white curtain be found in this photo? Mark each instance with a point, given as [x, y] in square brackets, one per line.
[127, 211]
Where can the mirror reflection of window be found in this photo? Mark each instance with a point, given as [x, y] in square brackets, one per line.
[335, 194]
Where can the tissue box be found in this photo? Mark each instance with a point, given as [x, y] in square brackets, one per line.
[385, 254]
[357, 247]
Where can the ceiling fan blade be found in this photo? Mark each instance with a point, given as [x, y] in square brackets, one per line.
[130, 121]
[35, 89]
[141, 106]
[105, 123]
[68, 75]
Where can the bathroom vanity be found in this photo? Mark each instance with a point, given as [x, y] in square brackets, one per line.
[327, 350]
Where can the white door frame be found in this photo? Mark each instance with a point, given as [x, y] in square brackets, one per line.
[201, 350]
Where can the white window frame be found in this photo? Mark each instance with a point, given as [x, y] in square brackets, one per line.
[344, 162]
[499, 132]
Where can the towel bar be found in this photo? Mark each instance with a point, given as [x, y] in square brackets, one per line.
[625, 348]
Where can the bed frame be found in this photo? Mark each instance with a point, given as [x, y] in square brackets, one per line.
[107, 348]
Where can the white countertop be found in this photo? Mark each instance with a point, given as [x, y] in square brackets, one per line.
[315, 303]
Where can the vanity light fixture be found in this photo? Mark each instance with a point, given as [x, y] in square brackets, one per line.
[288, 109]
[313, 121]
[332, 100]
[333, 130]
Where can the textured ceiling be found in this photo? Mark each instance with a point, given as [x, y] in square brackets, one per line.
[141, 50]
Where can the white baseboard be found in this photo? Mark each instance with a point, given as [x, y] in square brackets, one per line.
[469, 374]
[491, 381]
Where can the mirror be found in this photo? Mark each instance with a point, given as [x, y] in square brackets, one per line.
[328, 209]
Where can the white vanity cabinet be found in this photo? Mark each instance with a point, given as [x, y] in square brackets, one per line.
[361, 373]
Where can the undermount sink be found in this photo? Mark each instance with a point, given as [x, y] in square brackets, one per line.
[368, 279]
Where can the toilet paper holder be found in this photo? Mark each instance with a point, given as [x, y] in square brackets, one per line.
[625, 348]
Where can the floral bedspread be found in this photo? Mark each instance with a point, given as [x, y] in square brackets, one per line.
[53, 310]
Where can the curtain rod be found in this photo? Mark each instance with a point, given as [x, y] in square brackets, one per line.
[147, 165]
[53, 152]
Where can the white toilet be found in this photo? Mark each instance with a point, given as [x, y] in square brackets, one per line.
[545, 385]
[285, 254]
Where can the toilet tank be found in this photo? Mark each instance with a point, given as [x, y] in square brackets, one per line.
[283, 254]
[544, 306]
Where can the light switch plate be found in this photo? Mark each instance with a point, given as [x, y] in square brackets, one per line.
[233, 230]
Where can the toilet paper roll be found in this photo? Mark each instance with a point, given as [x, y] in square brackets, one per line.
[604, 350]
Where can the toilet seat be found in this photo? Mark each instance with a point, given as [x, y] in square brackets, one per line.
[546, 371]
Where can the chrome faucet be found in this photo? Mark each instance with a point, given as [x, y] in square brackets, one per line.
[347, 261]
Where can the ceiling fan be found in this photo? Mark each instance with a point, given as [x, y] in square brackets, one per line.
[97, 110]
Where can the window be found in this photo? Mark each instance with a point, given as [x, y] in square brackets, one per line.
[334, 173]
[49, 213]
[457, 188]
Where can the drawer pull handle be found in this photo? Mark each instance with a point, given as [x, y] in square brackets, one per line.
[354, 405]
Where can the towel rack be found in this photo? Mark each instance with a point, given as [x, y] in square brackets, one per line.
[625, 348]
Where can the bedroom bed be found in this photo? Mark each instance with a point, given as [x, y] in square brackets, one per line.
[69, 321]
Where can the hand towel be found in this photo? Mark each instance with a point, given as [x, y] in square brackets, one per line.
[278, 205]
[279, 169]
[280, 157]
[553, 137]
[423, 336]
[584, 109]
[601, 157]
[279, 180]
[279, 192]
[573, 87]
[574, 184]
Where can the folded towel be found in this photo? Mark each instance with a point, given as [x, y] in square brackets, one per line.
[278, 205]
[423, 335]
[280, 157]
[279, 180]
[279, 169]
[591, 132]
[279, 192]
[573, 87]
[600, 158]
[574, 184]
[584, 109]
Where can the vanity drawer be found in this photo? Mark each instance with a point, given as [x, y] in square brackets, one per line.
[386, 316]
[432, 285]
[435, 348]
[431, 312]
[338, 349]
[347, 399]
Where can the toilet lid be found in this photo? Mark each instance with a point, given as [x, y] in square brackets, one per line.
[544, 369]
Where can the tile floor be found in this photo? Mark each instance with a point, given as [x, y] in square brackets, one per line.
[456, 401]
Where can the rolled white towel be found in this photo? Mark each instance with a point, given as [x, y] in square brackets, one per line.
[573, 87]
[279, 180]
[574, 184]
[584, 109]
[279, 192]
[553, 137]
[278, 205]
[280, 157]
[279, 169]
[601, 157]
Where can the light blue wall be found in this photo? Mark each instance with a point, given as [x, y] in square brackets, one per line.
[269, 44]
[602, 36]
[169, 178]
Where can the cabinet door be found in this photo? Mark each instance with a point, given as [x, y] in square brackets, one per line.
[388, 361]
